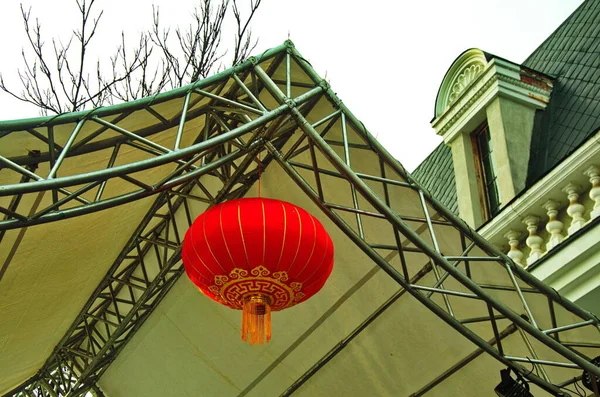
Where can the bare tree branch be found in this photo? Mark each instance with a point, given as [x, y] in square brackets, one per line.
[64, 80]
[243, 39]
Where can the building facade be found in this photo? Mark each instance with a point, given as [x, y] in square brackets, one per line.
[520, 161]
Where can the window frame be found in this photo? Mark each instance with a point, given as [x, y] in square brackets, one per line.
[480, 137]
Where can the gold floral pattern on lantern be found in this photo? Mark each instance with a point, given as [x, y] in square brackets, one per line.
[232, 290]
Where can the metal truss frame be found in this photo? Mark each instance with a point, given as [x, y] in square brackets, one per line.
[239, 129]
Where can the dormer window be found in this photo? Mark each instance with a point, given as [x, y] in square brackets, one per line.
[481, 87]
[487, 176]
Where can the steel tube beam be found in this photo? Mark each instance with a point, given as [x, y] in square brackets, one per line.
[230, 102]
[171, 156]
[339, 164]
[122, 199]
[253, 98]
[437, 257]
[567, 327]
[65, 149]
[545, 362]
[111, 163]
[385, 180]
[186, 104]
[456, 221]
[396, 276]
[445, 292]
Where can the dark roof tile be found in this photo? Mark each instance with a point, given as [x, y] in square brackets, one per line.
[591, 124]
[436, 174]
[575, 43]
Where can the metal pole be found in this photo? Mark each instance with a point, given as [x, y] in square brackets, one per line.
[47, 388]
[132, 135]
[186, 103]
[567, 327]
[171, 156]
[64, 200]
[361, 233]
[111, 162]
[65, 149]
[52, 154]
[253, 98]
[377, 203]
[288, 75]
[396, 276]
[230, 102]
[457, 222]
[545, 362]
[436, 256]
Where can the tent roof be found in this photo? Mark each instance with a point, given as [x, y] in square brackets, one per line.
[92, 245]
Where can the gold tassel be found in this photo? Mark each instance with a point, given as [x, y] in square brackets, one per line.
[256, 320]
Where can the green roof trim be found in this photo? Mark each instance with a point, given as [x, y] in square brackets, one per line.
[142, 103]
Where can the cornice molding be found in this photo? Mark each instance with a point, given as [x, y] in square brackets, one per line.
[463, 105]
[499, 78]
[522, 84]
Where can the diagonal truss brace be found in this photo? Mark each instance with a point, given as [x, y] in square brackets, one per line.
[150, 263]
[573, 359]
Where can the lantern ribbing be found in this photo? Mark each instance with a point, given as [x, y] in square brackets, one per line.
[257, 255]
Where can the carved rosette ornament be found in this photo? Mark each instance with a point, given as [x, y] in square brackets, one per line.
[463, 80]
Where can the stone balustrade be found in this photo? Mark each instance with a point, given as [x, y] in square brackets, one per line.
[543, 223]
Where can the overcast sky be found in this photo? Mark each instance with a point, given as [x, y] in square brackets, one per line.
[384, 58]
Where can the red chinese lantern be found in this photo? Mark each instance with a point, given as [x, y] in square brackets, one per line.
[257, 255]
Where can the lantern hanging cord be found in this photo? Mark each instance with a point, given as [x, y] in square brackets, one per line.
[259, 167]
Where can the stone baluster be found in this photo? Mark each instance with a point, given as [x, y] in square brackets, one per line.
[594, 173]
[534, 242]
[554, 226]
[513, 241]
[575, 209]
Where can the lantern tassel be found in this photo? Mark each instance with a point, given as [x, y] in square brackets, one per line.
[256, 320]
